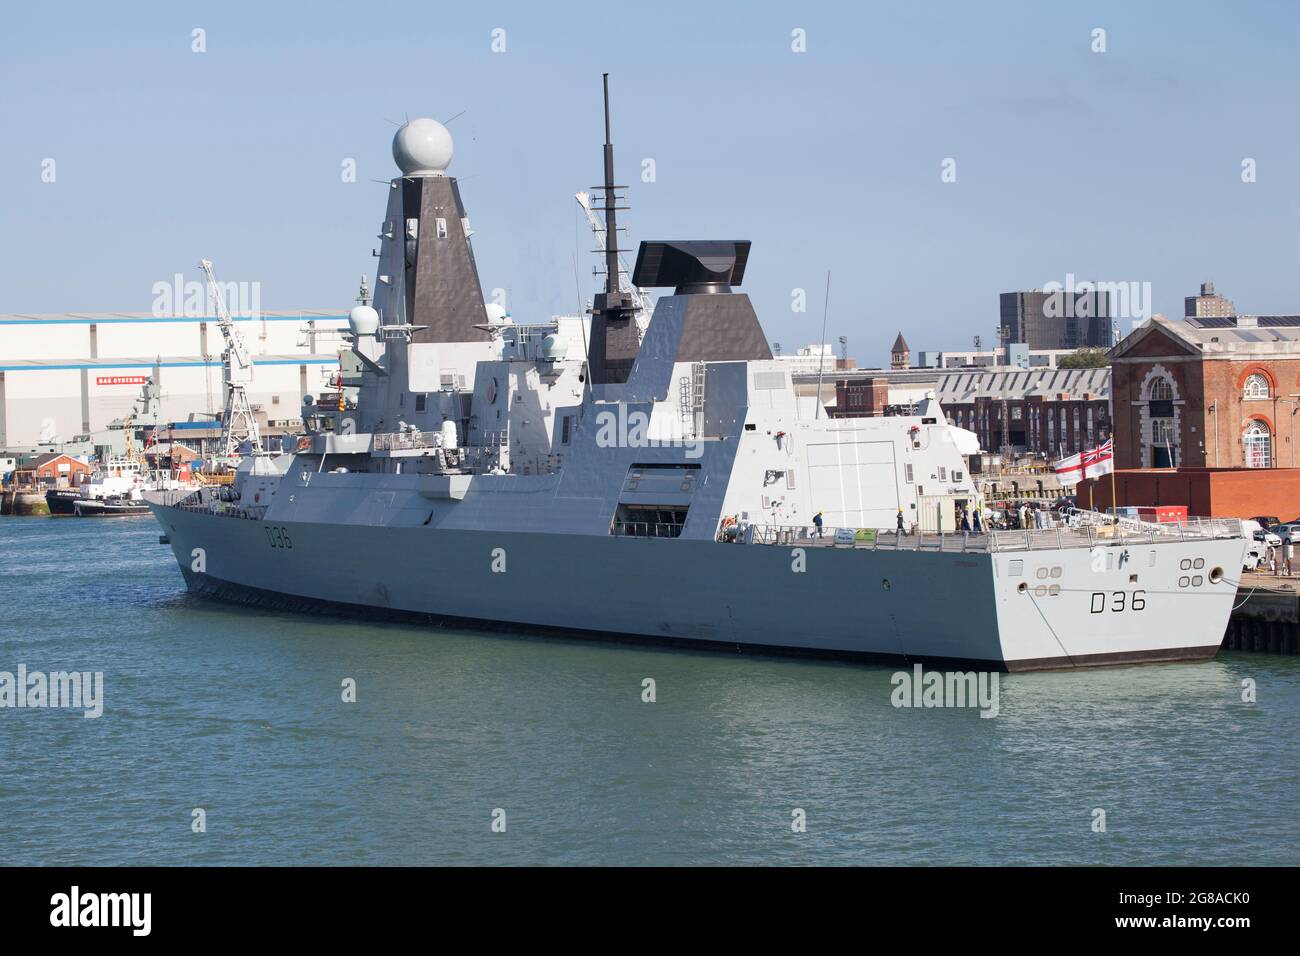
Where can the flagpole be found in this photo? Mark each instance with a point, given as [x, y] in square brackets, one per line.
[1113, 499]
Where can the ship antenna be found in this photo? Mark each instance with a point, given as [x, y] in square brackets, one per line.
[612, 304]
[611, 215]
[821, 346]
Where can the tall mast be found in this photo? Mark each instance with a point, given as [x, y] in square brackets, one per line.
[611, 218]
[612, 305]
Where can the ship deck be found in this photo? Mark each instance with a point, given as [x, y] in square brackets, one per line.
[1088, 530]
[1091, 533]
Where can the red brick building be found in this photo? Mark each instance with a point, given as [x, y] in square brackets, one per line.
[1206, 393]
[59, 469]
[1221, 492]
[861, 397]
[1205, 417]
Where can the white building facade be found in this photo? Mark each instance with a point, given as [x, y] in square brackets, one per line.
[810, 359]
[66, 375]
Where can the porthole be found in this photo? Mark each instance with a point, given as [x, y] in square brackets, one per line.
[1184, 581]
[1056, 572]
[1042, 572]
[1197, 581]
[1040, 591]
[1054, 590]
[1185, 564]
[1198, 563]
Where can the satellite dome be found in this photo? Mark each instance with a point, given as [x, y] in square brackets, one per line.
[496, 314]
[554, 348]
[422, 147]
[363, 320]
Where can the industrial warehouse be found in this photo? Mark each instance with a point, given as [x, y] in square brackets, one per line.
[67, 379]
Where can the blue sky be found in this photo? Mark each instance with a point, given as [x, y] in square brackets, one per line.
[1119, 166]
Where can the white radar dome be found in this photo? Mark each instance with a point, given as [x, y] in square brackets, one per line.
[422, 147]
[496, 314]
[554, 348]
[363, 320]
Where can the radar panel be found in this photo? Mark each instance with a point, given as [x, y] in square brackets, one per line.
[692, 262]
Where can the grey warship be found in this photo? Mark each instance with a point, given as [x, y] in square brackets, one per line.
[655, 477]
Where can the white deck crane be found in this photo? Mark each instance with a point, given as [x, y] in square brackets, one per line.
[642, 301]
[238, 425]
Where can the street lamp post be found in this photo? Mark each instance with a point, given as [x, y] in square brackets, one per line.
[1214, 407]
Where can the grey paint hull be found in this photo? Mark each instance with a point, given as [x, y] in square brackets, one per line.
[854, 602]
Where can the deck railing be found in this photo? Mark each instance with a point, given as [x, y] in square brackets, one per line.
[646, 529]
[1087, 533]
[405, 441]
[219, 501]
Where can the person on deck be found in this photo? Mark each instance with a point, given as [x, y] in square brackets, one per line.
[817, 525]
[900, 520]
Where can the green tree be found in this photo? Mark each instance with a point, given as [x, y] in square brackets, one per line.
[1086, 358]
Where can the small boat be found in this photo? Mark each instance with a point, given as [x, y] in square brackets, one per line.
[117, 477]
[114, 505]
[115, 489]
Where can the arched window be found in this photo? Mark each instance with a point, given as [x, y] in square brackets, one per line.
[1161, 390]
[1256, 387]
[1258, 444]
[1160, 411]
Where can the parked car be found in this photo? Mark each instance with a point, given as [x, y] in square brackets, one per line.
[1261, 534]
[1268, 521]
[1288, 531]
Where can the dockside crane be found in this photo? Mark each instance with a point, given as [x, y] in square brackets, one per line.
[238, 424]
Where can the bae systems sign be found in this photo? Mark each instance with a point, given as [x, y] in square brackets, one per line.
[120, 380]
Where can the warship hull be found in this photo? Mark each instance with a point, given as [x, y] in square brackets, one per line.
[1035, 609]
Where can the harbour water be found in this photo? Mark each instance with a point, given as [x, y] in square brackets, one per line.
[240, 713]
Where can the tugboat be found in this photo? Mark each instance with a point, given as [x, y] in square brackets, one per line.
[116, 477]
[117, 485]
[112, 506]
